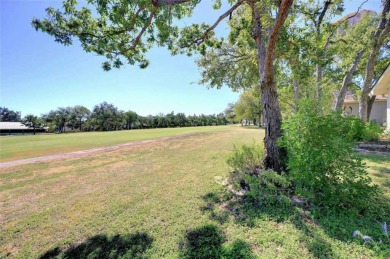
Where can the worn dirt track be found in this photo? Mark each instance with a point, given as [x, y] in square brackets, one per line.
[77, 154]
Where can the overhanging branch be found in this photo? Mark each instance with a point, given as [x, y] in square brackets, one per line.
[205, 35]
[158, 3]
[144, 28]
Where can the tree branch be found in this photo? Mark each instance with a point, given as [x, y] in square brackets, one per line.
[139, 36]
[322, 14]
[206, 33]
[132, 22]
[280, 19]
[158, 3]
[340, 21]
[358, 10]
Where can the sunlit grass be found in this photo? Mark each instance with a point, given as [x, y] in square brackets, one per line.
[27, 146]
[161, 201]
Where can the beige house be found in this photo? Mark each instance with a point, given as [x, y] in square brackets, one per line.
[382, 90]
[380, 112]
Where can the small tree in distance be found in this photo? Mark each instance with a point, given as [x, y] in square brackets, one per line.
[33, 122]
[130, 117]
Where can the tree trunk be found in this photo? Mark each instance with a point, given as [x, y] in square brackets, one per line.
[347, 81]
[272, 117]
[366, 89]
[370, 103]
[274, 155]
[379, 37]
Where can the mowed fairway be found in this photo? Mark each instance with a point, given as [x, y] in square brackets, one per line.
[28, 146]
[146, 201]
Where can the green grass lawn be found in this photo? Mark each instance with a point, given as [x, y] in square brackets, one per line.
[164, 201]
[27, 146]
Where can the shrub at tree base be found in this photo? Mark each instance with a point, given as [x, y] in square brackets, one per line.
[321, 161]
[262, 186]
[246, 158]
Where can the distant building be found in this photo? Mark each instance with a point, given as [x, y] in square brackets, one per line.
[17, 128]
[378, 112]
[382, 89]
[354, 17]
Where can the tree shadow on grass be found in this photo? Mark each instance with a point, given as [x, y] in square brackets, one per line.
[208, 242]
[211, 201]
[102, 246]
[314, 226]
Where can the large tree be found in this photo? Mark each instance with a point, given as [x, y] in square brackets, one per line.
[78, 116]
[317, 32]
[123, 31]
[8, 115]
[33, 122]
[107, 116]
[58, 119]
[350, 55]
[130, 118]
[380, 37]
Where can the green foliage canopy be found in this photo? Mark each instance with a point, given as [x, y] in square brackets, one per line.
[123, 31]
[8, 115]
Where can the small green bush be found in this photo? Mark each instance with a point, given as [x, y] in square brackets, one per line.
[262, 186]
[246, 158]
[321, 161]
[268, 187]
[372, 131]
[355, 129]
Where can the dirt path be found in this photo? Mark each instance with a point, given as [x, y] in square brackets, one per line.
[77, 154]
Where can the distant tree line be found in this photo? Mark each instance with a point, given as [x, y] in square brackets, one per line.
[9, 115]
[107, 117]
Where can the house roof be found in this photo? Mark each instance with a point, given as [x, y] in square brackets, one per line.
[350, 97]
[12, 126]
[355, 17]
[382, 86]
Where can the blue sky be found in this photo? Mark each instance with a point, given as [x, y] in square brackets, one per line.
[38, 75]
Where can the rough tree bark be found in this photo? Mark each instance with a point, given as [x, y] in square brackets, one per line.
[370, 103]
[347, 81]
[274, 155]
[379, 37]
